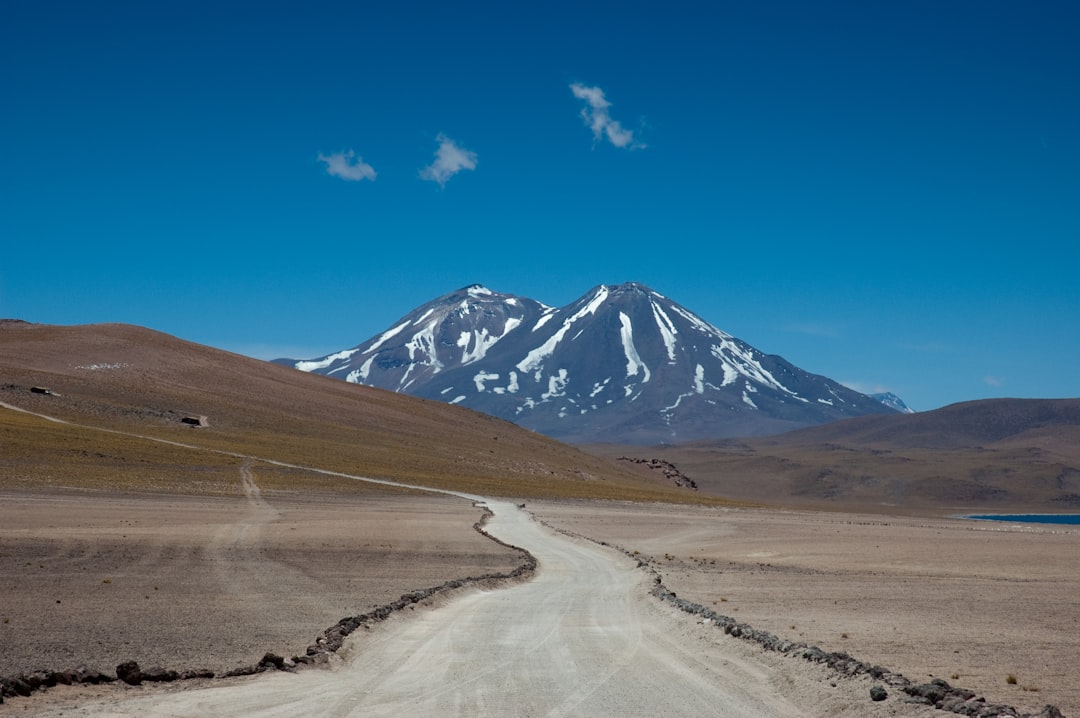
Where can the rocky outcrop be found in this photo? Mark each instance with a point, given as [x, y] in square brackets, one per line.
[668, 469]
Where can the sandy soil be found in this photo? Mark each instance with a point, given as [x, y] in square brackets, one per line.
[970, 602]
[188, 582]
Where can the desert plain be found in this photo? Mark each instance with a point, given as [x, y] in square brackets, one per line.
[198, 582]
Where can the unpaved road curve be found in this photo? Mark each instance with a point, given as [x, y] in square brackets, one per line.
[579, 640]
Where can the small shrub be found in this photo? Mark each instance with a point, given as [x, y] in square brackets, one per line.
[1010, 679]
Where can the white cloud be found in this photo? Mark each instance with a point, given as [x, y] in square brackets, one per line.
[865, 387]
[449, 160]
[342, 164]
[992, 380]
[598, 118]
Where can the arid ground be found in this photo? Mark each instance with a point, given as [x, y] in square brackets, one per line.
[207, 582]
[194, 582]
[974, 603]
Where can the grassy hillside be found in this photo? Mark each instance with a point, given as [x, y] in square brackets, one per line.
[137, 381]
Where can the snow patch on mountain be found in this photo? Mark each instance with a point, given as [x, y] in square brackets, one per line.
[633, 359]
[481, 341]
[667, 330]
[387, 336]
[556, 385]
[484, 377]
[534, 359]
[316, 365]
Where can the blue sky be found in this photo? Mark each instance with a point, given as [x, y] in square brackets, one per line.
[884, 193]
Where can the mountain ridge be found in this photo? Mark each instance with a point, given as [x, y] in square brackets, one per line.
[1013, 455]
[621, 363]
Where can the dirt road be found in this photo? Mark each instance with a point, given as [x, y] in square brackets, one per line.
[581, 639]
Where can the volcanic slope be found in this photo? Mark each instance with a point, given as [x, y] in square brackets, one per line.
[1004, 455]
[621, 364]
[143, 382]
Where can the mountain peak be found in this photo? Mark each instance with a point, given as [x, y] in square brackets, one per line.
[893, 402]
[620, 364]
[477, 290]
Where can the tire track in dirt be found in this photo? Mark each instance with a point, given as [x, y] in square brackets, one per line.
[235, 549]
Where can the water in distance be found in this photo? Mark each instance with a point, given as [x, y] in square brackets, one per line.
[1030, 518]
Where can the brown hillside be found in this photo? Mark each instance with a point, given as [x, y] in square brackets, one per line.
[969, 424]
[144, 382]
[994, 455]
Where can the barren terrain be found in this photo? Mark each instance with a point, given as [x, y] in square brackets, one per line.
[583, 637]
[208, 582]
[970, 602]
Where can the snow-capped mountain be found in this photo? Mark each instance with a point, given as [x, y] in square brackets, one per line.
[622, 364]
[455, 330]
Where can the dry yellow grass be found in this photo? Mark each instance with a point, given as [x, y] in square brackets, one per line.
[132, 380]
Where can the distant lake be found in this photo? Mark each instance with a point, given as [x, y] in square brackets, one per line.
[1030, 518]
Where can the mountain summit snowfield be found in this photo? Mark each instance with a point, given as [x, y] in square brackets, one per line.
[622, 364]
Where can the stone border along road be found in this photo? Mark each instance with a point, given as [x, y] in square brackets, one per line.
[575, 640]
[938, 693]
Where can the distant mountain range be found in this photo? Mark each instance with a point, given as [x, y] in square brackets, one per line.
[1014, 455]
[622, 364]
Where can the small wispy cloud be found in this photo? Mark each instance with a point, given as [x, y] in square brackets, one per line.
[348, 166]
[597, 116]
[450, 159]
[814, 329]
[992, 380]
[865, 387]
